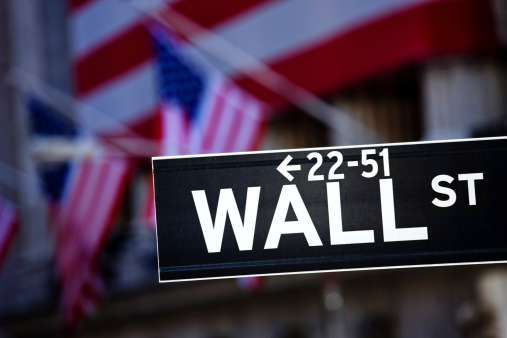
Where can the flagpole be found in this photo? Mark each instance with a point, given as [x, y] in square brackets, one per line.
[295, 94]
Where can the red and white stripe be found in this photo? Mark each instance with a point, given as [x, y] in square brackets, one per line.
[230, 120]
[326, 45]
[319, 45]
[9, 224]
[85, 219]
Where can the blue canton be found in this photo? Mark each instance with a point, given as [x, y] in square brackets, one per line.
[179, 82]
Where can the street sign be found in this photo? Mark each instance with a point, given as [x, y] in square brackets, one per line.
[329, 209]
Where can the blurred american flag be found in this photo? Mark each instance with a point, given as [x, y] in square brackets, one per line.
[84, 197]
[85, 219]
[320, 46]
[201, 111]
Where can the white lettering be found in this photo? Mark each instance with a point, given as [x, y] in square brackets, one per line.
[391, 233]
[470, 178]
[338, 236]
[213, 234]
[290, 196]
[435, 184]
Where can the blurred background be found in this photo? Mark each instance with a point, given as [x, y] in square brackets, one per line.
[91, 89]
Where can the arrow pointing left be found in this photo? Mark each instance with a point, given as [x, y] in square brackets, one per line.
[284, 168]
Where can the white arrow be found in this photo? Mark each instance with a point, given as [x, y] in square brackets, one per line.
[284, 168]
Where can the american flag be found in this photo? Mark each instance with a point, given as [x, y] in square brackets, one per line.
[131, 70]
[9, 223]
[201, 111]
[321, 45]
[84, 197]
[85, 220]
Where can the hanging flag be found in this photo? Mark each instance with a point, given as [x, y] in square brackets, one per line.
[321, 46]
[201, 111]
[9, 224]
[85, 220]
[84, 197]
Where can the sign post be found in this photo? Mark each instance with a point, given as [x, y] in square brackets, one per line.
[329, 209]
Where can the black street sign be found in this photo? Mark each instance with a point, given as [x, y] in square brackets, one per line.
[328, 209]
